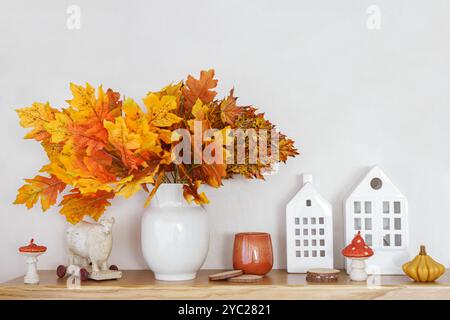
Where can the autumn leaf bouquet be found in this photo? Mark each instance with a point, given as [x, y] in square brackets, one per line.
[103, 145]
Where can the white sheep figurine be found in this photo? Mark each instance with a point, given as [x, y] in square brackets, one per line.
[91, 243]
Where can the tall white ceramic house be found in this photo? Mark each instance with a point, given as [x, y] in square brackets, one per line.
[378, 209]
[309, 230]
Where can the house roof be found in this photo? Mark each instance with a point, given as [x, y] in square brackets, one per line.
[387, 188]
[306, 191]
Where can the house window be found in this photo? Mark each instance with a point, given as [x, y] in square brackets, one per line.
[398, 240]
[368, 239]
[397, 224]
[297, 232]
[368, 207]
[297, 243]
[298, 254]
[385, 206]
[386, 225]
[297, 220]
[387, 240]
[367, 223]
[396, 206]
[308, 203]
[357, 207]
[357, 223]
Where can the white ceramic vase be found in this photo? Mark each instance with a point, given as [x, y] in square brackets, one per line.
[174, 235]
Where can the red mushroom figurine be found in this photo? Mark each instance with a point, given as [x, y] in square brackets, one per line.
[358, 251]
[32, 251]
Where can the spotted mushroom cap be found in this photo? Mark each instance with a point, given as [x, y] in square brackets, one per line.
[358, 248]
[32, 247]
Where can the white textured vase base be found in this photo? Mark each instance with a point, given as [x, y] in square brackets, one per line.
[175, 277]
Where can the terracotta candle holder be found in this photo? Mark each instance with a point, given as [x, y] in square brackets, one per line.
[252, 252]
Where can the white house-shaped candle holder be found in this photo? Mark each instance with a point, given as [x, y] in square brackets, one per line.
[309, 230]
[380, 211]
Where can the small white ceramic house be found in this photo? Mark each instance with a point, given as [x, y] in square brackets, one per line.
[380, 211]
[309, 230]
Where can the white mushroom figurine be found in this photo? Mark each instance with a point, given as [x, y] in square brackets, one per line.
[358, 251]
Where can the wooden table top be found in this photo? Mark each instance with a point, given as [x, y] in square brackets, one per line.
[278, 284]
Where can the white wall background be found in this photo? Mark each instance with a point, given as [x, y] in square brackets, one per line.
[349, 96]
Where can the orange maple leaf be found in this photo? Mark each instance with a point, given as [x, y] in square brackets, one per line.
[99, 165]
[212, 174]
[90, 133]
[199, 89]
[46, 189]
[286, 148]
[229, 109]
[92, 136]
[76, 205]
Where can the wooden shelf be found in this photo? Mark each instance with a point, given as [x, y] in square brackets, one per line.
[140, 284]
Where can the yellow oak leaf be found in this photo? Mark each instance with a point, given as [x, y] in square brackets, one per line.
[58, 169]
[133, 114]
[150, 140]
[43, 188]
[53, 150]
[159, 114]
[36, 116]
[83, 102]
[199, 111]
[91, 185]
[124, 141]
[118, 132]
[170, 90]
[128, 186]
[72, 159]
[59, 128]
